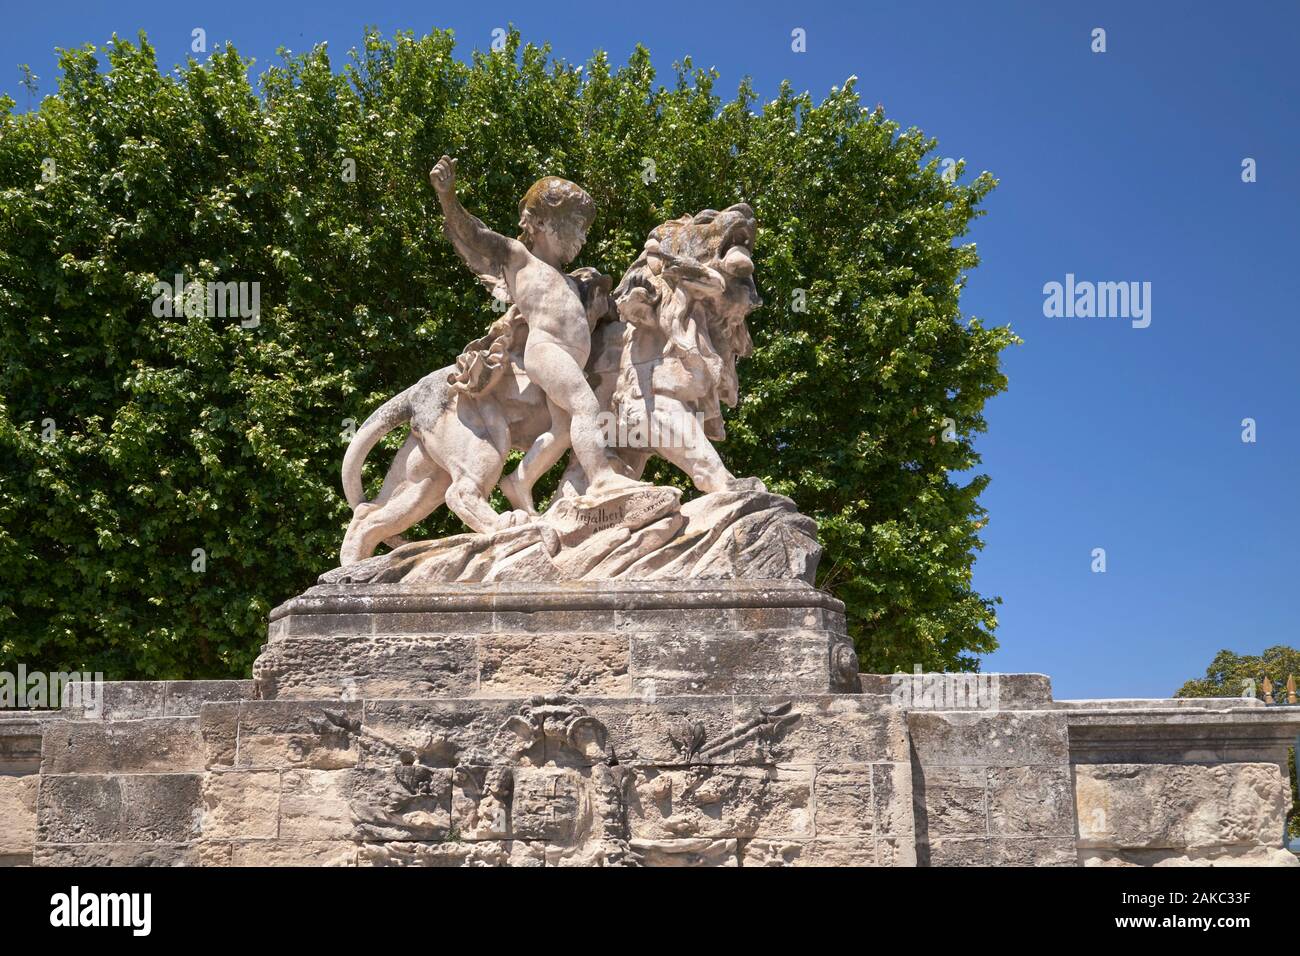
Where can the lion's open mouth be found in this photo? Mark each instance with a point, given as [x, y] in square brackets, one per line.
[736, 248]
[739, 235]
[735, 253]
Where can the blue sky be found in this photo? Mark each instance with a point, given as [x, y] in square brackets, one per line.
[1120, 166]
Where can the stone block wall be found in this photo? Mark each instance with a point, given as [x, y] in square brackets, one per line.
[20, 767]
[719, 724]
[1181, 783]
[993, 789]
[428, 782]
[124, 793]
[1179, 815]
[736, 780]
[121, 776]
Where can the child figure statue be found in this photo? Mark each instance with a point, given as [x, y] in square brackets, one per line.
[554, 217]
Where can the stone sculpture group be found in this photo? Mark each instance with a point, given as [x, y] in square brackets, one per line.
[616, 377]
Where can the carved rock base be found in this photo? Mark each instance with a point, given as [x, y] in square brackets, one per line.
[641, 535]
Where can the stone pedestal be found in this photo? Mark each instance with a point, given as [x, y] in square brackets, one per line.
[608, 639]
[703, 723]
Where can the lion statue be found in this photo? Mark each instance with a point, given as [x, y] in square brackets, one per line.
[664, 348]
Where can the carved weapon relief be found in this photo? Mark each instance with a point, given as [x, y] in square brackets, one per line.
[687, 737]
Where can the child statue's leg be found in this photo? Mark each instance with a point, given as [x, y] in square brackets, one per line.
[558, 375]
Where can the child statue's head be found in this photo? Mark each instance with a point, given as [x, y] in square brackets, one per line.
[560, 208]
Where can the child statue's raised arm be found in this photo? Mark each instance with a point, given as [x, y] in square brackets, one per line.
[488, 254]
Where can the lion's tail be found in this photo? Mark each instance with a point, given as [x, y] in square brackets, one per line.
[396, 411]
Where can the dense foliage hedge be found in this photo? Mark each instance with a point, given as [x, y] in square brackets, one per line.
[129, 440]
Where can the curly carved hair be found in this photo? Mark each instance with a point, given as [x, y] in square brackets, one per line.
[552, 199]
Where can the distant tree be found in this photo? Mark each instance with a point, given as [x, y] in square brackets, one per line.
[28, 82]
[1238, 675]
[167, 476]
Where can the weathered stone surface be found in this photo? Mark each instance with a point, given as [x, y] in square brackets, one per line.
[554, 780]
[819, 852]
[1210, 856]
[293, 734]
[375, 804]
[748, 662]
[555, 621]
[138, 700]
[184, 698]
[484, 853]
[160, 807]
[354, 668]
[219, 729]
[241, 804]
[127, 746]
[956, 851]
[18, 814]
[1166, 732]
[549, 805]
[447, 732]
[844, 804]
[164, 808]
[540, 771]
[1030, 801]
[739, 618]
[118, 700]
[977, 738]
[362, 610]
[319, 619]
[891, 789]
[952, 801]
[20, 745]
[830, 729]
[971, 850]
[436, 616]
[982, 691]
[354, 642]
[991, 788]
[1033, 851]
[1163, 704]
[673, 731]
[721, 802]
[76, 809]
[117, 854]
[315, 806]
[215, 853]
[1154, 806]
[698, 851]
[293, 853]
[896, 851]
[519, 664]
[480, 803]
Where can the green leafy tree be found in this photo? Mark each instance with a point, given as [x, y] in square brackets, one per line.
[137, 448]
[1242, 675]
[28, 82]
